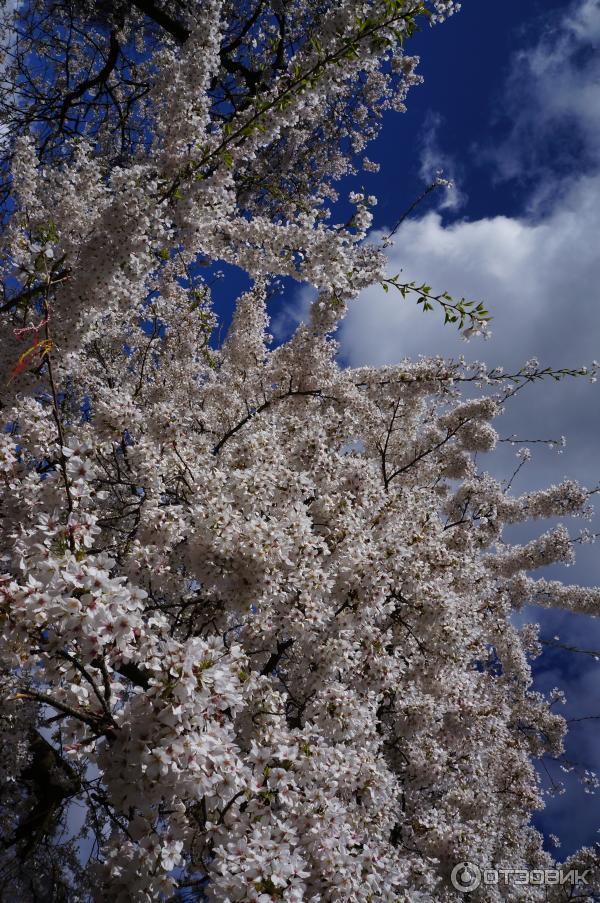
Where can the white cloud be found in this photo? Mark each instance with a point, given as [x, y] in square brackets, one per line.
[285, 318]
[552, 99]
[541, 281]
[585, 23]
[434, 162]
[538, 278]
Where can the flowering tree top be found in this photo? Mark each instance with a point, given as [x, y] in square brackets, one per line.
[255, 608]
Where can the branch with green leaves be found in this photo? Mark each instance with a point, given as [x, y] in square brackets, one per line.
[460, 312]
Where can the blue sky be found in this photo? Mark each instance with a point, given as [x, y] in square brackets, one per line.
[468, 65]
[510, 109]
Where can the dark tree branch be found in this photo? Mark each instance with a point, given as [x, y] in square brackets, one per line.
[275, 657]
[158, 15]
[100, 79]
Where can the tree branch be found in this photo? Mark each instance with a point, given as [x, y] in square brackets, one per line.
[158, 15]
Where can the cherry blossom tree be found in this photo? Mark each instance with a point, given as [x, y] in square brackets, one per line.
[256, 634]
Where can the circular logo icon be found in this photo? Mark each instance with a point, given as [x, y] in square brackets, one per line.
[466, 876]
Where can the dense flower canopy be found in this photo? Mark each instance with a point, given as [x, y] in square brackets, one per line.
[255, 607]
